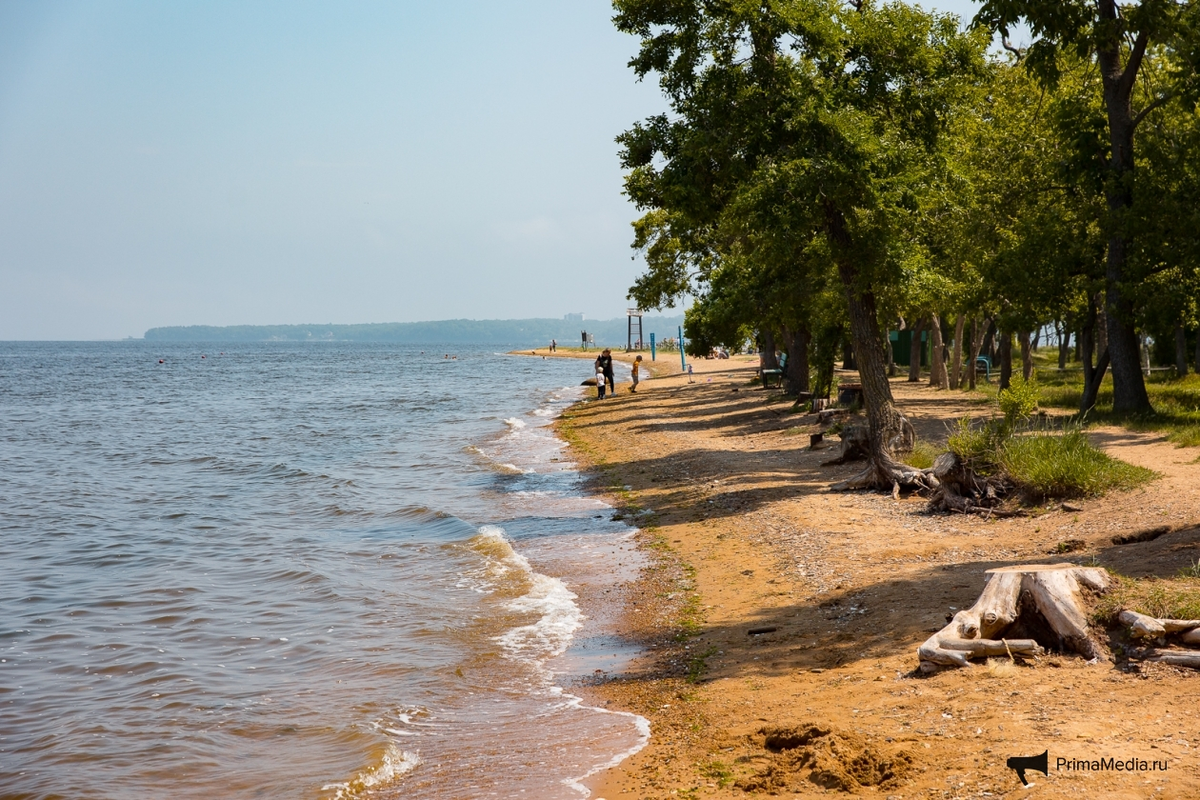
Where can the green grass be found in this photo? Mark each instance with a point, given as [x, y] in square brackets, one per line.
[1066, 465]
[1043, 461]
[1176, 402]
[1164, 598]
[922, 455]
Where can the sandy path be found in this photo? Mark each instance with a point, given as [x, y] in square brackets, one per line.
[747, 532]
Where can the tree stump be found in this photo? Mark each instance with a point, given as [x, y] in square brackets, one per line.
[1023, 610]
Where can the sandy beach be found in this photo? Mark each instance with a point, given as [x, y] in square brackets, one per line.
[782, 620]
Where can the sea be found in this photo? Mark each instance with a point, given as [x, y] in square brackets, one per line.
[301, 570]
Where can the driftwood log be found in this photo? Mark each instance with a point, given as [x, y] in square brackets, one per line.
[1022, 610]
[1161, 632]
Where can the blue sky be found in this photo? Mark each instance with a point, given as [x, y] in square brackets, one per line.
[178, 163]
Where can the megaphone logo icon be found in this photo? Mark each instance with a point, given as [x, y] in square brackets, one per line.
[1022, 763]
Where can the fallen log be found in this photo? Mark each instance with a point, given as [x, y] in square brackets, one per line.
[1142, 626]
[1038, 606]
[1175, 658]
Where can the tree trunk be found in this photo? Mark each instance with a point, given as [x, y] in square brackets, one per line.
[1091, 389]
[956, 357]
[1181, 365]
[989, 341]
[891, 356]
[1039, 606]
[977, 328]
[1129, 386]
[848, 360]
[1037, 338]
[914, 352]
[795, 374]
[1026, 355]
[768, 359]
[1196, 360]
[937, 362]
[1005, 359]
[889, 432]
[1064, 343]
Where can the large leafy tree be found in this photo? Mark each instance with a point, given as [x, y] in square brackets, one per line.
[835, 114]
[1118, 36]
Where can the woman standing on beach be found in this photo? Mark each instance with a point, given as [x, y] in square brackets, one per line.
[605, 363]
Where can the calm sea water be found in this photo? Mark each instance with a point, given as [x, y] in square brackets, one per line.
[298, 571]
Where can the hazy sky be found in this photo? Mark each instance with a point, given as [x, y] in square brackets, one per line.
[218, 163]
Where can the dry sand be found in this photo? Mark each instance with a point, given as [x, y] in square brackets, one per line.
[744, 534]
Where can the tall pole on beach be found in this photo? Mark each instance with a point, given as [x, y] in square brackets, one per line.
[682, 360]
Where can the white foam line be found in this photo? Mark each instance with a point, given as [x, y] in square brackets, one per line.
[643, 728]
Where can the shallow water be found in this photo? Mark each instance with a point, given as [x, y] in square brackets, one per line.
[304, 571]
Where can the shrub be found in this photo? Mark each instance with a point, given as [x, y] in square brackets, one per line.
[1019, 401]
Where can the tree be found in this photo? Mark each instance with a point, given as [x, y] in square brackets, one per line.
[1118, 37]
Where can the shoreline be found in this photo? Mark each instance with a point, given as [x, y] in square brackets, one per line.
[743, 535]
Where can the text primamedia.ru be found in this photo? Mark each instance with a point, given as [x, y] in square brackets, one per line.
[1110, 765]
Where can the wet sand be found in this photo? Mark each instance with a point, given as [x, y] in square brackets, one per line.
[781, 620]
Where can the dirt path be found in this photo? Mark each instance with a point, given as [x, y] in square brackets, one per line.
[849, 585]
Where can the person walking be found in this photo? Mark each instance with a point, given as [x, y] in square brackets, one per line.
[605, 363]
[553, 345]
[637, 363]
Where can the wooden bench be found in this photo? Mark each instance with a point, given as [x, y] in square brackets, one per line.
[771, 374]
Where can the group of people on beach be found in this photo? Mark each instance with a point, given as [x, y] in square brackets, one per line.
[604, 374]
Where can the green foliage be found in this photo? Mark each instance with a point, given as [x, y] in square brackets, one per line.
[1045, 463]
[922, 455]
[978, 446]
[1066, 465]
[1019, 401]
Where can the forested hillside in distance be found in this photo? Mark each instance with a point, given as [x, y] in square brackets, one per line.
[508, 332]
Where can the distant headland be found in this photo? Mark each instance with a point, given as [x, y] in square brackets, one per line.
[512, 332]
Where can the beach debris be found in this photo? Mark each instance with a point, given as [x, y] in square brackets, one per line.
[1022, 611]
[1160, 633]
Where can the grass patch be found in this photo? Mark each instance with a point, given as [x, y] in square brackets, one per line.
[1043, 461]
[1176, 403]
[1066, 465]
[922, 455]
[698, 665]
[1163, 598]
[717, 771]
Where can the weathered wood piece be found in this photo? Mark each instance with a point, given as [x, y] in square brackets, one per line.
[1142, 626]
[1044, 600]
[1191, 637]
[1173, 657]
[1179, 625]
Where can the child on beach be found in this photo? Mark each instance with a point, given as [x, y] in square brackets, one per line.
[637, 363]
[599, 381]
[690, 374]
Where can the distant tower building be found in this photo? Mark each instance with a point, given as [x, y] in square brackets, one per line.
[573, 317]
